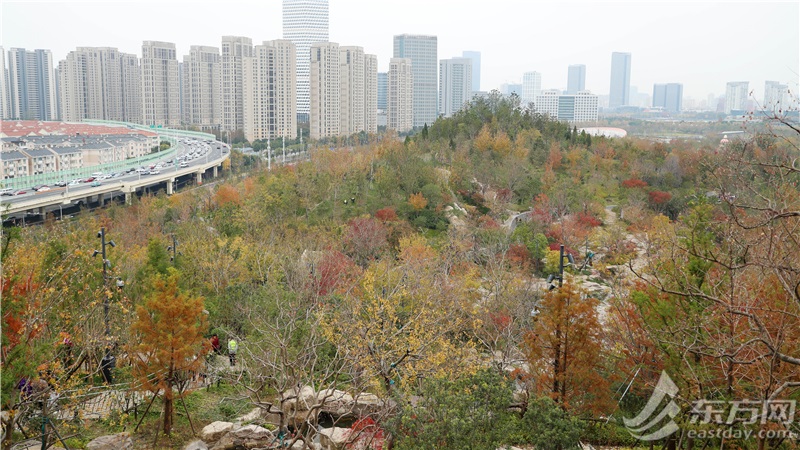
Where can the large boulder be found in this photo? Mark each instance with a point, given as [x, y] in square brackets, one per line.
[120, 441]
[298, 406]
[335, 402]
[252, 433]
[252, 416]
[365, 404]
[196, 445]
[246, 437]
[334, 438]
[215, 430]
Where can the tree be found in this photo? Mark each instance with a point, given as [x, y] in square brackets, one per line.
[565, 351]
[170, 329]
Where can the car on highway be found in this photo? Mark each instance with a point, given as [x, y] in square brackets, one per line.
[19, 192]
[61, 183]
[74, 182]
[6, 191]
[43, 188]
[184, 164]
[95, 183]
[155, 172]
[89, 180]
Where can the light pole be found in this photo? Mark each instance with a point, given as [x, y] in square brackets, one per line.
[108, 362]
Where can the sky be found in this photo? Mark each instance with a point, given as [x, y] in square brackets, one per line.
[702, 45]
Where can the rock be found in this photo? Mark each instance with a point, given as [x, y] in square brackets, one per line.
[252, 416]
[30, 444]
[215, 430]
[365, 404]
[300, 400]
[196, 445]
[252, 433]
[225, 443]
[121, 441]
[334, 438]
[335, 402]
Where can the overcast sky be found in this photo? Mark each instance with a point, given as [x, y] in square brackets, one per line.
[702, 45]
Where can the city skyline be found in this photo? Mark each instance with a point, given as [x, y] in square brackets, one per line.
[703, 55]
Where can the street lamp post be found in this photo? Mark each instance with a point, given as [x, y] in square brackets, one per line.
[108, 362]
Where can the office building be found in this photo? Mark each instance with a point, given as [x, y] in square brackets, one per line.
[269, 91]
[31, 85]
[202, 96]
[668, 96]
[531, 87]
[100, 83]
[232, 53]
[160, 85]
[325, 90]
[455, 85]
[576, 79]
[619, 92]
[578, 108]
[5, 110]
[383, 90]
[400, 111]
[736, 97]
[305, 22]
[476, 68]
[422, 51]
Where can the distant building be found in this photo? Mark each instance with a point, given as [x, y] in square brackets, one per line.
[736, 97]
[620, 80]
[509, 89]
[383, 90]
[581, 107]
[476, 68]
[668, 96]
[422, 51]
[305, 22]
[234, 50]
[202, 96]
[5, 110]
[268, 81]
[370, 93]
[576, 79]
[455, 85]
[776, 97]
[31, 85]
[531, 87]
[400, 105]
[100, 83]
[160, 84]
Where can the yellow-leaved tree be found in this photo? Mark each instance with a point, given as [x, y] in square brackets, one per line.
[169, 343]
[406, 319]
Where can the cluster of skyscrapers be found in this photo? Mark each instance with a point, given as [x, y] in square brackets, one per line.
[265, 90]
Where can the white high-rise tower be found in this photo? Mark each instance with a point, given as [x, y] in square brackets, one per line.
[305, 22]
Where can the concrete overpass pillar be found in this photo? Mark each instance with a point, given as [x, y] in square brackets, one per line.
[127, 198]
[199, 178]
[215, 171]
[40, 210]
[170, 186]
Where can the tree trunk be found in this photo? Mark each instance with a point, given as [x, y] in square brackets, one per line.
[167, 414]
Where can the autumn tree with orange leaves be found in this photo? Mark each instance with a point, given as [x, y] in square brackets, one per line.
[170, 343]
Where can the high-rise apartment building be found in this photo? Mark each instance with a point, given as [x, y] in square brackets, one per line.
[100, 83]
[668, 96]
[581, 107]
[776, 97]
[5, 112]
[476, 68]
[422, 51]
[576, 78]
[201, 88]
[344, 88]
[233, 51]
[736, 96]
[401, 100]
[269, 91]
[370, 93]
[619, 92]
[31, 85]
[455, 85]
[531, 87]
[305, 22]
[325, 90]
[160, 84]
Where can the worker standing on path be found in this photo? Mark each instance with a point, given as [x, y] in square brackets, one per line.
[232, 348]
